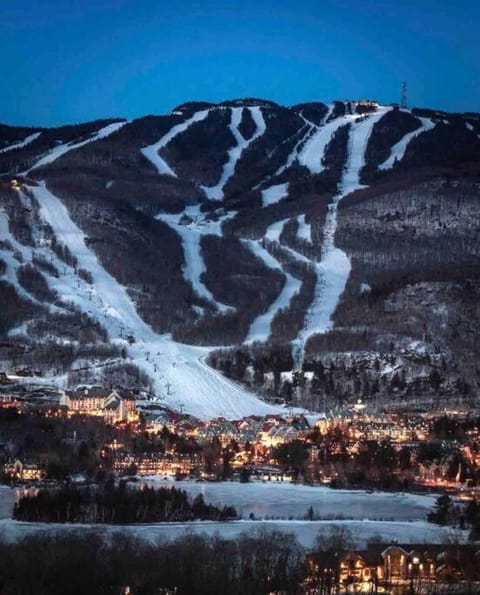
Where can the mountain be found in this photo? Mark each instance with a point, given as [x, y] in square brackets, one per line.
[307, 254]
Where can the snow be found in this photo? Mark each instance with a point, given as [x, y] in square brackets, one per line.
[304, 231]
[179, 372]
[285, 500]
[305, 531]
[260, 328]
[63, 148]
[26, 141]
[152, 151]
[274, 194]
[334, 267]
[294, 153]
[358, 141]
[194, 264]
[406, 509]
[13, 263]
[274, 231]
[314, 149]
[398, 150]
[234, 154]
[365, 288]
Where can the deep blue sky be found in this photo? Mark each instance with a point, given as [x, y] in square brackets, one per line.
[75, 60]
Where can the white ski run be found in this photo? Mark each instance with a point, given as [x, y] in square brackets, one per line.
[398, 150]
[63, 148]
[260, 329]
[191, 236]
[179, 373]
[334, 267]
[26, 141]
[234, 154]
[152, 151]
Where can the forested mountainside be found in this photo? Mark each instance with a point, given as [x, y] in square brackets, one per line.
[310, 254]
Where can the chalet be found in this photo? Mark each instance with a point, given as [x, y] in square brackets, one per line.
[23, 471]
[380, 567]
[117, 405]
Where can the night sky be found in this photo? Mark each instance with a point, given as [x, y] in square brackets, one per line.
[66, 61]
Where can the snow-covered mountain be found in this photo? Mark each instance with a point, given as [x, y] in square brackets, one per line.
[296, 239]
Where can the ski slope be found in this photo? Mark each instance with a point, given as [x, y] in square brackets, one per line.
[235, 153]
[334, 267]
[63, 148]
[314, 149]
[304, 231]
[398, 150]
[12, 264]
[194, 264]
[180, 375]
[261, 327]
[26, 141]
[274, 194]
[152, 151]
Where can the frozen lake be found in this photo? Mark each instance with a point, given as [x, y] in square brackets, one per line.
[284, 500]
[399, 517]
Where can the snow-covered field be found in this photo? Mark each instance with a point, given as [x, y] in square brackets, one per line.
[274, 500]
[285, 500]
[305, 531]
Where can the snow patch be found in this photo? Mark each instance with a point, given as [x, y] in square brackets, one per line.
[274, 194]
[304, 231]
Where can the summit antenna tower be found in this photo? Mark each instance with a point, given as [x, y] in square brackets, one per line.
[403, 103]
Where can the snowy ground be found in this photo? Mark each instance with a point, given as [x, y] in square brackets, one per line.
[274, 194]
[285, 500]
[180, 375]
[304, 231]
[151, 152]
[334, 267]
[260, 328]
[26, 141]
[273, 500]
[305, 531]
[194, 264]
[234, 154]
[61, 149]
[398, 150]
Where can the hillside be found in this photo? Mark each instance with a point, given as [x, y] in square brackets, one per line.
[309, 255]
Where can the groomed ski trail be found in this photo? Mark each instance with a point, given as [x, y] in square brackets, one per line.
[179, 371]
[334, 267]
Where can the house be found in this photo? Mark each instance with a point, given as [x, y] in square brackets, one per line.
[403, 566]
[117, 405]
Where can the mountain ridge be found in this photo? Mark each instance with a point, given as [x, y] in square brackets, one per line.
[220, 219]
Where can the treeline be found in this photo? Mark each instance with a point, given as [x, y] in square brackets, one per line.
[120, 504]
[252, 564]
